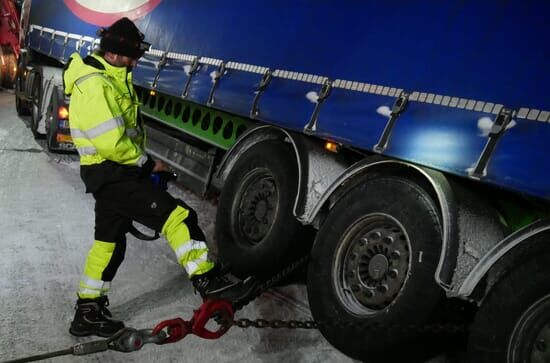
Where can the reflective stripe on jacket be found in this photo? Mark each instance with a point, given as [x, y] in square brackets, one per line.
[103, 112]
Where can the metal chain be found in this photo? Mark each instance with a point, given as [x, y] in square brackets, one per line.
[310, 324]
[381, 326]
[266, 285]
[263, 287]
[275, 324]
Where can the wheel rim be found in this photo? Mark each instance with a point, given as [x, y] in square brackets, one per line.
[530, 340]
[372, 263]
[255, 207]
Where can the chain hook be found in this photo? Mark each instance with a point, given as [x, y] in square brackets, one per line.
[220, 310]
[177, 329]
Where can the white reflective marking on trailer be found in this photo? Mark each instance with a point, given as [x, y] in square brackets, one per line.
[479, 106]
[522, 112]
[544, 115]
[533, 114]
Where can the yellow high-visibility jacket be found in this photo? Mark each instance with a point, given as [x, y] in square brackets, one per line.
[103, 114]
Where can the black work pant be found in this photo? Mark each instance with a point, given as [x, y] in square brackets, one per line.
[118, 204]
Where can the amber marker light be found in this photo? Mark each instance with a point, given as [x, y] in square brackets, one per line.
[152, 92]
[64, 138]
[331, 146]
[62, 113]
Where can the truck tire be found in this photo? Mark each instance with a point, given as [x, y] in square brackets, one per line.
[52, 121]
[21, 106]
[513, 323]
[256, 230]
[371, 278]
[36, 99]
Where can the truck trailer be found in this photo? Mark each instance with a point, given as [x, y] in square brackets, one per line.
[401, 145]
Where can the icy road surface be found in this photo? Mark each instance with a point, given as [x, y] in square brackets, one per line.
[46, 228]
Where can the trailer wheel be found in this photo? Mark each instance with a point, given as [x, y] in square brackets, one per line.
[513, 323]
[52, 122]
[21, 106]
[256, 230]
[36, 96]
[371, 277]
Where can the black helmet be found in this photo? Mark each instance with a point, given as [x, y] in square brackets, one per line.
[124, 38]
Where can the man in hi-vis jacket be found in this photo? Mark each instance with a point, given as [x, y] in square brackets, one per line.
[116, 170]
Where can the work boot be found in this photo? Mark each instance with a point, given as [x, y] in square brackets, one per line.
[93, 318]
[216, 284]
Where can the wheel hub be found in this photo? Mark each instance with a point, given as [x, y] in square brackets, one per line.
[378, 267]
[261, 210]
[374, 264]
[257, 206]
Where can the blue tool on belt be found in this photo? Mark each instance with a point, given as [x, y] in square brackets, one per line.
[160, 179]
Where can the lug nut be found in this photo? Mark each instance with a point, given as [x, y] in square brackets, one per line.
[382, 288]
[395, 254]
[387, 240]
[375, 235]
[369, 293]
[393, 273]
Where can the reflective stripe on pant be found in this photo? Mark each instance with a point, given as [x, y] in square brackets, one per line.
[101, 264]
[107, 252]
[117, 204]
[187, 242]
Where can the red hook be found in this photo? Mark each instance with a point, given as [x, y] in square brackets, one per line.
[221, 310]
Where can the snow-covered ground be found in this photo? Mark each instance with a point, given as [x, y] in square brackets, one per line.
[46, 228]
